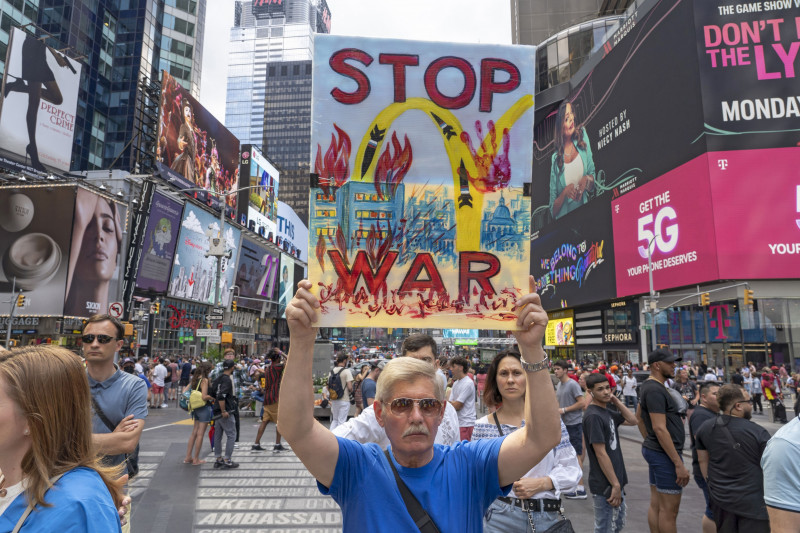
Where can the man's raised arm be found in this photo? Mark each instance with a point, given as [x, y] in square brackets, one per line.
[524, 448]
[316, 447]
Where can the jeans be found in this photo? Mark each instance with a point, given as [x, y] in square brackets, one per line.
[228, 426]
[339, 411]
[504, 518]
[631, 401]
[662, 471]
[608, 519]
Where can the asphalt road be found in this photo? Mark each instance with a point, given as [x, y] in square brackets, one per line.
[272, 492]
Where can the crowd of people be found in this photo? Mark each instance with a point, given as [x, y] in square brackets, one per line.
[417, 433]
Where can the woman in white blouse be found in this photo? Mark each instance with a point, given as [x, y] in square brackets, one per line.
[535, 499]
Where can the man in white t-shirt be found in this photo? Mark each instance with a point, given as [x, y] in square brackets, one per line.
[462, 397]
[365, 427]
[340, 407]
[159, 375]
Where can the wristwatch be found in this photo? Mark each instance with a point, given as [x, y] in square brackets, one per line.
[544, 364]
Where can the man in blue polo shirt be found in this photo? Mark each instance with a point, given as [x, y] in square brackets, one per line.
[119, 399]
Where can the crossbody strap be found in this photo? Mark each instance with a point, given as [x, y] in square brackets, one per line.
[29, 509]
[497, 423]
[111, 427]
[735, 445]
[420, 517]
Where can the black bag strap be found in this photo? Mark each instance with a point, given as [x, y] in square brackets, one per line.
[735, 445]
[497, 423]
[420, 517]
[102, 416]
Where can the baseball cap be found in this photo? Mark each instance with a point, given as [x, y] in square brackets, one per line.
[228, 363]
[377, 364]
[774, 368]
[127, 360]
[256, 361]
[662, 354]
[601, 367]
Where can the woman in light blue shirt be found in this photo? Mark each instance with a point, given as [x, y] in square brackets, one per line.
[52, 480]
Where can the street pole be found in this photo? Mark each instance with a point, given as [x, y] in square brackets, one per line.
[653, 298]
[11, 314]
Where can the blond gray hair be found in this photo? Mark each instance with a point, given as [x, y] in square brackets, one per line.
[406, 370]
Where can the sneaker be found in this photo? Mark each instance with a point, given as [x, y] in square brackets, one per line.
[579, 494]
[164, 406]
[236, 446]
[278, 448]
[219, 463]
[230, 464]
[257, 447]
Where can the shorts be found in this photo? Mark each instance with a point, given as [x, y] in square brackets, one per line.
[184, 382]
[704, 487]
[270, 413]
[576, 437]
[728, 522]
[203, 414]
[662, 471]
[157, 389]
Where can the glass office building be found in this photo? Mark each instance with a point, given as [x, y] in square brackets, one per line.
[14, 13]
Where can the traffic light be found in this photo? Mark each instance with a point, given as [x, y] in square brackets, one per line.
[21, 300]
[156, 307]
[233, 306]
[748, 296]
[705, 299]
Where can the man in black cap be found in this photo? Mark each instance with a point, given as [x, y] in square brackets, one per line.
[226, 404]
[662, 426]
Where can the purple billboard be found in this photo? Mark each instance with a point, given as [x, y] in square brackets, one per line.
[158, 249]
[256, 275]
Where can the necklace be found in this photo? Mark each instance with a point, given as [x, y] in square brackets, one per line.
[3, 490]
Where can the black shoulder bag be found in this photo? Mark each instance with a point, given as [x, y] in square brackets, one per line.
[131, 459]
[420, 517]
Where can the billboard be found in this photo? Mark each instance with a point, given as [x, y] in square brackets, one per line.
[573, 262]
[37, 117]
[258, 208]
[756, 196]
[748, 56]
[193, 273]
[560, 329]
[268, 8]
[292, 231]
[160, 240]
[662, 220]
[629, 120]
[286, 284]
[94, 276]
[418, 209]
[194, 149]
[323, 17]
[35, 233]
[256, 274]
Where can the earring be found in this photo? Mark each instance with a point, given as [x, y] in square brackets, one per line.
[26, 432]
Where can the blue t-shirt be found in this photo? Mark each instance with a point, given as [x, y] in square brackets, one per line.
[80, 502]
[456, 487]
[782, 468]
[368, 388]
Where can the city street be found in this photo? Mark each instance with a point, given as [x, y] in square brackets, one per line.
[272, 492]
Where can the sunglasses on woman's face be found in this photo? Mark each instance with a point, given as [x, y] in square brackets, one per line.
[404, 406]
[102, 339]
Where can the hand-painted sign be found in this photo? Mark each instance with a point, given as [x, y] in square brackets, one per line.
[417, 205]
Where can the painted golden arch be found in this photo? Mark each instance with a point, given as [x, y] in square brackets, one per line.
[468, 217]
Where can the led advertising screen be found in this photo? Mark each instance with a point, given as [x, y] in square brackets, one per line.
[193, 274]
[748, 60]
[258, 208]
[42, 138]
[35, 233]
[256, 274]
[158, 248]
[574, 261]
[670, 220]
[756, 197]
[292, 231]
[560, 329]
[635, 115]
[286, 284]
[94, 276]
[194, 149]
[268, 8]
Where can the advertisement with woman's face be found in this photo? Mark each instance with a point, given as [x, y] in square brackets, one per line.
[93, 278]
[35, 229]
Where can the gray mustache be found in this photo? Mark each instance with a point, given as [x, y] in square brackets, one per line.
[416, 428]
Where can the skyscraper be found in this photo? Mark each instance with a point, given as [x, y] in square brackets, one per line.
[123, 44]
[269, 85]
[14, 13]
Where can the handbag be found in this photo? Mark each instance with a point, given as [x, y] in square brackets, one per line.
[131, 459]
[183, 401]
[196, 400]
[420, 516]
[562, 526]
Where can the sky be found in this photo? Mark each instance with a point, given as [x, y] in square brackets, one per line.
[467, 21]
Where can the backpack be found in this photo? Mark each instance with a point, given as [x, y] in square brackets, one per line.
[335, 389]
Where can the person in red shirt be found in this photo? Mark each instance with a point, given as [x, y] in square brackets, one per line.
[602, 370]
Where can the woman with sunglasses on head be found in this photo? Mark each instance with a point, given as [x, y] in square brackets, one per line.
[534, 500]
[52, 478]
[201, 416]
